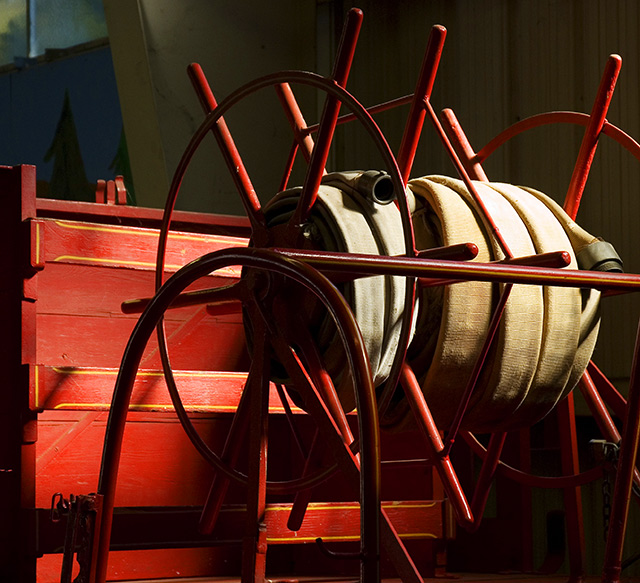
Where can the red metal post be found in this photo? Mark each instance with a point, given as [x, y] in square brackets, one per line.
[296, 119]
[572, 494]
[424, 86]
[254, 544]
[462, 146]
[435, 447]
[228, 148]
[591, 135]
[624, 476]
[329, 118]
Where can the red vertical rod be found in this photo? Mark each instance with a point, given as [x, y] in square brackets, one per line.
[329, 119]
[477, 369]
[254, 544]
[230, 153]
[435, 447]
[485, 479]
[230, 455]
[462, 171]
[624, 476]
[296, 119]
[462, 146]
[591, 134]
[424, 86]
[458, 143]
[572, 496]
[598, 409]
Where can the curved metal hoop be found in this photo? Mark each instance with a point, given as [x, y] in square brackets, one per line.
[363, 116]
[554, 117]
[350, 336]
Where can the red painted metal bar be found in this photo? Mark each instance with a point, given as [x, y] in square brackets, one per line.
[302, 498]
[462, 153]
[610, 394]
[371, 110]
[555, 259]
[624, 475]
[601, 414]
[254, 542]
[296, 119]
[435, 447]
[591, 135]
[462, 171]
[475, 373]
[554, 117]
[598, 409]
[473, 271]
[230, 455]
[485, 479]
[462, 146]
[327, 391]
[284, 402]
[424, 86]
[318, 161]
[228, 148]
[527, 479]
[565, 411]
[224, 295]
[288, 168]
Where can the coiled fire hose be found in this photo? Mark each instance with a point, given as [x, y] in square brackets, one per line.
[546, 335]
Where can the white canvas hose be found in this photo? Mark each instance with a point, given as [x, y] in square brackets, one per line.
[546, 335]
[348, 217]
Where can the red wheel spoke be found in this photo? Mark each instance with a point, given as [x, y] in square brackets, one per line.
[415, 120]
[229, 151]
[591, 135]
[329, 118]
[296, 119]
[228, 295]
[230, 454]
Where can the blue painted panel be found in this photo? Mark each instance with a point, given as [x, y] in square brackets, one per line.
[31, 101]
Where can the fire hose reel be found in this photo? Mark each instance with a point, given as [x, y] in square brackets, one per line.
[547, 335]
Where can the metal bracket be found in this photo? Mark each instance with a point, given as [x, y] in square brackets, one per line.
[83, 521]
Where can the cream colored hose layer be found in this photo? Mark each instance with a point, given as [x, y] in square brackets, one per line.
[546, 335]
[347, 218]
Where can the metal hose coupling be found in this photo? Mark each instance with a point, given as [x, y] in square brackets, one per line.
[375, 185]
[599, 256]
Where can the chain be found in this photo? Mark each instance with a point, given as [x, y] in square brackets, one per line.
[606, 453]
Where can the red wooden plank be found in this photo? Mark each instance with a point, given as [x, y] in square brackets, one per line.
[102, 213]
[57, 388]
[80, 323]
[205, 344]
[340, 521]
[126, 247]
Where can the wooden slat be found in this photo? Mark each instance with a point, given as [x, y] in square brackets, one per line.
[125, 247]
[340, 521]
[333, 522]
[57, 388]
